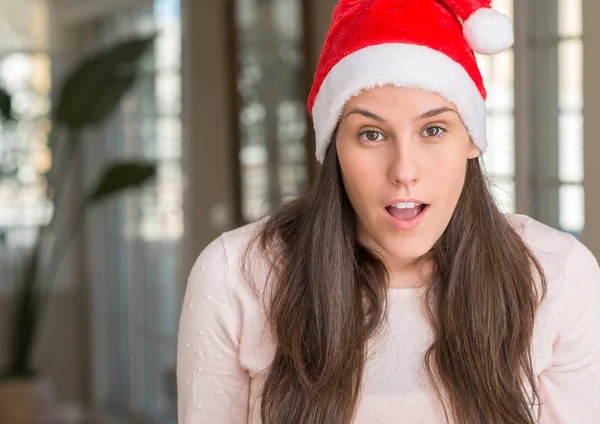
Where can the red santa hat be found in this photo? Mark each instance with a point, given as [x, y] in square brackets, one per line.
[425, 44]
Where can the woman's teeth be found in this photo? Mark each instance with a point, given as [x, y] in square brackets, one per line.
[408, 205]
[405, 211]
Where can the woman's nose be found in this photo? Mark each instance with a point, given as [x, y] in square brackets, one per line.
[403, 168]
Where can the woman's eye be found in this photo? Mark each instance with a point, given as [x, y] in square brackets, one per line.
[372, 135]
[434, 131]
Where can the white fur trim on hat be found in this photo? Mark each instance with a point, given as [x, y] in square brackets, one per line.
[488, 31]
[402, 65]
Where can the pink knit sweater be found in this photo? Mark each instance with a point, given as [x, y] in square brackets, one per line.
[224, 352]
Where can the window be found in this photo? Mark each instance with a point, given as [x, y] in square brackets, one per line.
[552, 55]
[142, 230]
[499, 159]
[570, 120]
[24, 153]
[555, 171]
[272, 118]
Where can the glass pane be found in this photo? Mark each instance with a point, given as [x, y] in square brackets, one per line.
[498, 75]
[168, 131]
[500, 155]
[272, 115]
[569, 18]
[571, 147]
[503, 191]
[168, 92]
[24, 153]
[570, 56]
[572, 210]
[504, 6]
[24, 25]
[145, 225]
[168, 45]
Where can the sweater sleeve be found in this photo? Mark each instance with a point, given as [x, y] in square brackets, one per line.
[212, 386]
[570, 387]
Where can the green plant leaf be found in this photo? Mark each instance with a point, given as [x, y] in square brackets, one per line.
[95, 88]
[121, 176]
[111, 98]
[6, 110]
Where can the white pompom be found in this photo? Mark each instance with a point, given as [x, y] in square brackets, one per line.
[488, 31]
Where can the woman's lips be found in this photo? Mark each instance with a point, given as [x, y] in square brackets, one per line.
[405, 214]
[406, 219]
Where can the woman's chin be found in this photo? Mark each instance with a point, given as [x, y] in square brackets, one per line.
[403, 247]
[405, 251]
[406, 256]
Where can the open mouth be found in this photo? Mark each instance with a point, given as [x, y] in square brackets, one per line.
[406, 211]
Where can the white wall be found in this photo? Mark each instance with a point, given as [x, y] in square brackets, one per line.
[591, 112]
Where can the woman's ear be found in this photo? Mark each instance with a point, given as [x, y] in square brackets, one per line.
[474, 151]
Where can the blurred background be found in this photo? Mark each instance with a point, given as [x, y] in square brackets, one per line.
[133, 132]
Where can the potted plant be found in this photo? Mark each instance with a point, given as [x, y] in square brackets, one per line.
[90, 94]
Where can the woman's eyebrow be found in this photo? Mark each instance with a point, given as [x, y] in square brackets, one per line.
[429, 114]
[434, 112]
[367, 114]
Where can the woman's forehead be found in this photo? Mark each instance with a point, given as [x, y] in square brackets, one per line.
[393, 97]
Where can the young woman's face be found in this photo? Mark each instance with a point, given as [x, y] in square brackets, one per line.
[398, 147]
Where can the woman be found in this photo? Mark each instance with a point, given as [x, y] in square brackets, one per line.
[395, 291]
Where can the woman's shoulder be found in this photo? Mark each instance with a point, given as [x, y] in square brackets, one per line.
[220, 262]
[569, 266]
[243, 257]
[550, 244]
[230, 245]
[541, 238]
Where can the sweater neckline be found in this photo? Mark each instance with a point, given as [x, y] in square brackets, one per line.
[405, 293]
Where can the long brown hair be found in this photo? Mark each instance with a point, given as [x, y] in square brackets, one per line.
[328, 296]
